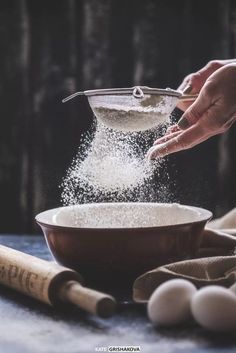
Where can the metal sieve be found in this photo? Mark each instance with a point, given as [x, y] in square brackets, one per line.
[132, 109]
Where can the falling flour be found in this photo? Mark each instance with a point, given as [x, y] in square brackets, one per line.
[112, 166]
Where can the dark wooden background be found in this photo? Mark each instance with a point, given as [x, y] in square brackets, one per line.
[49, 49]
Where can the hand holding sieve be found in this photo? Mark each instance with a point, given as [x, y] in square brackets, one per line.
[132, 109]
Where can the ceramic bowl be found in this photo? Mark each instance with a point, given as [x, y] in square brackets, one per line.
[112, 243]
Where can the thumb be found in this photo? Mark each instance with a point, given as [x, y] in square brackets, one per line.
[195, 111]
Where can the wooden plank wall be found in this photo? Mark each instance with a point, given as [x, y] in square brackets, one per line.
[49, 49]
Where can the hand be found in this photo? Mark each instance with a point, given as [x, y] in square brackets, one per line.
[213, 112]
[194, 82]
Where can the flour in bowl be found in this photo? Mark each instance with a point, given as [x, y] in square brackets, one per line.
[125, 215]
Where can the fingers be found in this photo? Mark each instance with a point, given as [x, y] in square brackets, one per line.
[192, 83]
[211, 123]
[197, 79]
[184, 140]
[184, 105]
[213, 112]
[185, 84]
[167, 137]
[186, 88]
[172, 128]
[195, 111]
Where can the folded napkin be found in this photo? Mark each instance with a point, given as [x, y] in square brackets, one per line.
[215, 262]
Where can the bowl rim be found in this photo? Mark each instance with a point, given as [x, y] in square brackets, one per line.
[205, 214]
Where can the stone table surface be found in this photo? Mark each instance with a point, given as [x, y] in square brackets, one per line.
[27, 326]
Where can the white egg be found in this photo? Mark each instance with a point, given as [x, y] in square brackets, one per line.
[233, 288]
[170, 302]
[214, 308]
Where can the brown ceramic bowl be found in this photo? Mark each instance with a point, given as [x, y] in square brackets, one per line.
[113, 243]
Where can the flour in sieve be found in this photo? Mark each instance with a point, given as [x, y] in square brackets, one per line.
[141, 115]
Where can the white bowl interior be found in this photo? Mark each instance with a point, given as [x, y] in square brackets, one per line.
[122, 215]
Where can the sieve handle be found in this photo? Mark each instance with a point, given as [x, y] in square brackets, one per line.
[188, 97]
[64, 100]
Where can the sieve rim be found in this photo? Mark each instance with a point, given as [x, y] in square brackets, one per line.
[129, 90]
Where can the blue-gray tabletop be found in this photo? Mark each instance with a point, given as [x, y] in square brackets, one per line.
[27, 326]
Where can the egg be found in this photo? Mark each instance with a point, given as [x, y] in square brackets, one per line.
[214, 308]
[233, 288]
[170, 303]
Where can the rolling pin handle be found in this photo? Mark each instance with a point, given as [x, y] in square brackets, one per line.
[96, 303]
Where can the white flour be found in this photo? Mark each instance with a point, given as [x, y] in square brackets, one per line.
[129, 114]
[111, 166]
[124, 215]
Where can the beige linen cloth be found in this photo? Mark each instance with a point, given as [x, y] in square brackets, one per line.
[215, 262]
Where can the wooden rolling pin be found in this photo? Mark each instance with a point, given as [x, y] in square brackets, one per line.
[50, 283]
